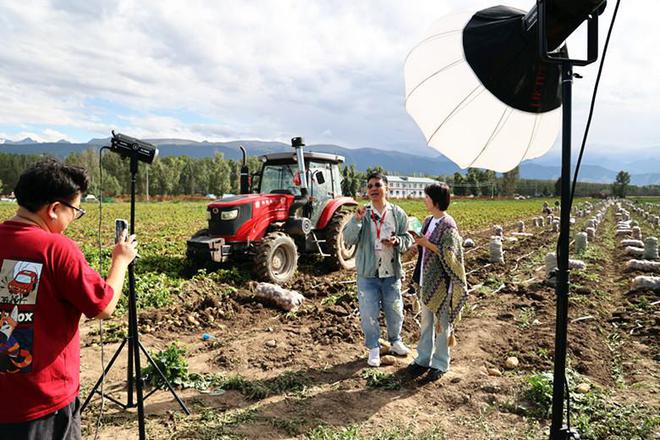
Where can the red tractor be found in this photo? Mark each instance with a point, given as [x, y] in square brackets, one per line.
[298, 209]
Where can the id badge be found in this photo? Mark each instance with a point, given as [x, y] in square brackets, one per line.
[378, 245]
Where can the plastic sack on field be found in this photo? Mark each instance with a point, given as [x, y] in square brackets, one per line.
[285, 299]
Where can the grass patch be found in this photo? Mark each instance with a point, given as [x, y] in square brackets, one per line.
[219, 425]
[379, 379]
[526, 317]
[586, 275]
[289, 382]
[329, 433]
[112, 331]
[355, 433]
[594, 414]
[614, 344]
[152, 290]
[346, 295]
[291, 427]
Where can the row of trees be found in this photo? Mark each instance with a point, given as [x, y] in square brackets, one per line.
[485, 183]
[172, 175]
[184, 175]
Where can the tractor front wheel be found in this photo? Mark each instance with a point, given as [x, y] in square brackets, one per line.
[276, 258]
[341, 255]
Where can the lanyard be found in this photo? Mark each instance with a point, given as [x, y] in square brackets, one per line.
[382, 220]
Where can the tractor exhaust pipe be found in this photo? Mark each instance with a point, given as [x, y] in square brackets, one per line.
[298, 143]
[245, 173]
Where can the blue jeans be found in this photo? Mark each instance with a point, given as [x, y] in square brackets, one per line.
[372, 293]
[432, 349]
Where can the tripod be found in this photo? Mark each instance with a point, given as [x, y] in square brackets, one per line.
[134, 344]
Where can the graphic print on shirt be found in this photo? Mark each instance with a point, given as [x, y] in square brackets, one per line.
[19, 285]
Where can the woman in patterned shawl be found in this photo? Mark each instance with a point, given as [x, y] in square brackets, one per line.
[442, 288]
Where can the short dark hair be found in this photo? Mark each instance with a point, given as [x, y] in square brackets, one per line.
[48, 181]
[378, 175]
[440, 194]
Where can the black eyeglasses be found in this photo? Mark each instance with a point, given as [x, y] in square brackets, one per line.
[374, 185]
[79, 211]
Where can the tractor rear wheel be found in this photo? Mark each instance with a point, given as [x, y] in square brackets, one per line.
[276, 258]
[341, 255]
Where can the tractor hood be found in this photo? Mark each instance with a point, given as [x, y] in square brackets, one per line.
[263, 199]
[245, 217]
[234, 200]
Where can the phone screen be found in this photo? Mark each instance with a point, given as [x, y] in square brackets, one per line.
[120, 226]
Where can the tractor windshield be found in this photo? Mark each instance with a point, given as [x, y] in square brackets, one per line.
[280, 178]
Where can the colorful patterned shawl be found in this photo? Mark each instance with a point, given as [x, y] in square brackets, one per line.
[444, 273]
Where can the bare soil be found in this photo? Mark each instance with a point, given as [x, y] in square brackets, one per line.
[613, 341]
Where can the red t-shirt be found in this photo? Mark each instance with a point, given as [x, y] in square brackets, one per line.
[45, 286]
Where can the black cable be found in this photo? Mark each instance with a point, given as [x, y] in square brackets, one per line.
[100, 245]
[579, 161]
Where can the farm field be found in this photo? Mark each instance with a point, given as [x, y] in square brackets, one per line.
[266, 374]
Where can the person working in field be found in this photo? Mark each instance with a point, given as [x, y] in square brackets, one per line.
[440, 276]
[45, 286]
[380, 232]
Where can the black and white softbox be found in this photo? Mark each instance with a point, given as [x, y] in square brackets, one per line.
[478, 89]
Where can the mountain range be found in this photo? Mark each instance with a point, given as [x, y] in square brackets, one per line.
[601, 163]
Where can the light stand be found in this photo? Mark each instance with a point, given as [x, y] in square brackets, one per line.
[134, 372]
[558, 430]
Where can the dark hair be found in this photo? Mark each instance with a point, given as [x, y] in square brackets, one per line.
[377, 175]
[439, 194]
[48, 181]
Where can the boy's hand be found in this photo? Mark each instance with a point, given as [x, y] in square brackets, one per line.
[126, 249]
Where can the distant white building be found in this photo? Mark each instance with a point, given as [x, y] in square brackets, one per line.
[402, 187]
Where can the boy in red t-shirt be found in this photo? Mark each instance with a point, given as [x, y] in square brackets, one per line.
[45, 286]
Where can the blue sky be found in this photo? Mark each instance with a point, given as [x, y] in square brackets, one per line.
[331, 71]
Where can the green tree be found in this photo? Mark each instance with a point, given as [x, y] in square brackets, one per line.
[351, 181]
[376, 169]
[510, 181]
[557, 187]
[188, 177]
[474, 178]
[458, 181]
[89, 160]
[1, 186]
[111, 186]
[220, 174]
[620, 185]
[165, 175]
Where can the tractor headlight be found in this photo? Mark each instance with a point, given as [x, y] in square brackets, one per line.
[208, 215]
[229, 215]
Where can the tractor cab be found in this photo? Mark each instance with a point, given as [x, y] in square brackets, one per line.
[292, 206]
[280, 174]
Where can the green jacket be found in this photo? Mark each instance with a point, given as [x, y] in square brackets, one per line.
[359, 233]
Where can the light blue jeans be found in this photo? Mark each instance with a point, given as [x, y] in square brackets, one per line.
[432, 349]
[372, 294]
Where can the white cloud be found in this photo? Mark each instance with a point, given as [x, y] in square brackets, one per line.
[330, 71]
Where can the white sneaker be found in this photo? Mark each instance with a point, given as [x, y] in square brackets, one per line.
[374, 357]
[399, 349]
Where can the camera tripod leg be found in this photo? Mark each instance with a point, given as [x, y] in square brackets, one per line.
[105, 372]
[162, 376]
